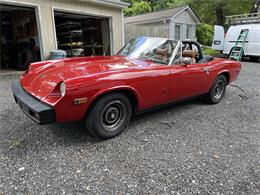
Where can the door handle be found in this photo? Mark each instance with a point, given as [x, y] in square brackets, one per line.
[206, 69]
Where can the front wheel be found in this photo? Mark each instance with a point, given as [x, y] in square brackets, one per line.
[109, 116]
[217, 90]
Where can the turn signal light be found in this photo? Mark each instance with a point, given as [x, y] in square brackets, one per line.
[80, 101]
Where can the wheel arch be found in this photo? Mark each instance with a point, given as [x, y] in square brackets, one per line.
[226, 74]
[130, 93]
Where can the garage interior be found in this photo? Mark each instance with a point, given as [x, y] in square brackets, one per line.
[82, 35]
[19, 39]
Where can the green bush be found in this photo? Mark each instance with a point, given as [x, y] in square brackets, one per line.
[138, 8]
[205, 33]
[208, 51]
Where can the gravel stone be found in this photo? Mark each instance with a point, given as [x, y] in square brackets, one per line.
[189, 148]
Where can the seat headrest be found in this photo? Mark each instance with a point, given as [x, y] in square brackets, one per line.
[189, 53]
[162, 51]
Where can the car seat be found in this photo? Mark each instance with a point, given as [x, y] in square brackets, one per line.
[191, 54]
[162, 54]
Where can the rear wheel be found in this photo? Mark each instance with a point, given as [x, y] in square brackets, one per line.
[109, 116]
[217, 90]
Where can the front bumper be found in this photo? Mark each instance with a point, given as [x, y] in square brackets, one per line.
[32, 107]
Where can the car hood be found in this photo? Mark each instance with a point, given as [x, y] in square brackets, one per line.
[43, 77]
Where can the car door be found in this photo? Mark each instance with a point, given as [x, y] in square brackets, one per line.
[189, 80]
[153, 85]
[218, 39]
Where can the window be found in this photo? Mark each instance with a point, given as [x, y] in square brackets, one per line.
[177, 34]
[188, 32]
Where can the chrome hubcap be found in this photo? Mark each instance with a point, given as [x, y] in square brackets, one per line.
[113, 115]
[218, 89]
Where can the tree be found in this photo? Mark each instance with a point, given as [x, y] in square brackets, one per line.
[255, 7]
[137, 7]
[210, 11]
[214, 11]
[204, 34]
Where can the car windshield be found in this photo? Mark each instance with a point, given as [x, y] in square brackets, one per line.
[158, 50]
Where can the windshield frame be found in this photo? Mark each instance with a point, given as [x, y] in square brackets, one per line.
[171, 58]
[174, 53]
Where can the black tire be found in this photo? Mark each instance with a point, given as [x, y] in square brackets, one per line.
[217, 90]
[26, 58]
[254, 58]
[109, 116]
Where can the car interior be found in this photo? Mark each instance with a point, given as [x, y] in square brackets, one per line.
[164, 53]
[188, 53]
[160, 54]
[191, 53]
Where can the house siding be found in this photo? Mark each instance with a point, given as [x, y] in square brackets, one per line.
[155, 29]
[162, 24]
[184, 19]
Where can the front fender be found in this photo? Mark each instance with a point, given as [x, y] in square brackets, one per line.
[118, 88]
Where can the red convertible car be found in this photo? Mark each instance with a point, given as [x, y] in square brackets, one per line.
[106, 91]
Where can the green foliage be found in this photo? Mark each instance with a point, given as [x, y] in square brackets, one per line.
[208, 51]
[205, 34]
[138, 8]
[210, 11]
[214, 11]
[162, 4]
[17, 143]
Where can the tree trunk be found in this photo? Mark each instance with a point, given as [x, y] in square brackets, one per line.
[255, 6]
[220, 14]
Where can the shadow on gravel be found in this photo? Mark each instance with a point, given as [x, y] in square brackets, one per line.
[72, 132]
[175, 107]
[245, 59]
[76, 133]
[44, 138]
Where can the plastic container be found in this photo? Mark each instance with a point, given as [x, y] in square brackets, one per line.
[57, 54]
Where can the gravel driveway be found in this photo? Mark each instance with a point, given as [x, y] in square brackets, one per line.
[190, 148]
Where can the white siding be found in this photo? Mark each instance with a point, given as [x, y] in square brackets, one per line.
[184, 19]
[156, 29]
[153, 24]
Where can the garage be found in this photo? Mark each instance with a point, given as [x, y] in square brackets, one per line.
[32, 29]
[20, 43]
[82, 35]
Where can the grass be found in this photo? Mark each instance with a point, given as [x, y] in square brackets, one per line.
[17, 143]
[211, 52]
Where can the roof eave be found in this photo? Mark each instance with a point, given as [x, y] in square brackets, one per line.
[166, 20]
[109, 3]
[196, 15]
[192, 11]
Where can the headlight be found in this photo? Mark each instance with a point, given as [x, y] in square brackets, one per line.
[62, 89]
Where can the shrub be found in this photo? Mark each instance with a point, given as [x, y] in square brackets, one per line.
[205, 33]
[138, 8]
